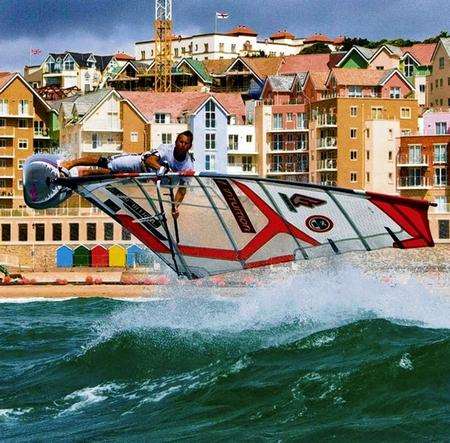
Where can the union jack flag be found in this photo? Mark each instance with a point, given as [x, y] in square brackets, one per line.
[222, 15]
[35, 51]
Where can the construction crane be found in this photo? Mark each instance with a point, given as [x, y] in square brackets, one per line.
[163, 45]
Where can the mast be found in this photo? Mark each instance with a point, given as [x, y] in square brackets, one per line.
[163, 45]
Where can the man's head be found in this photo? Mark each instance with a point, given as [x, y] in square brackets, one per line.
[182, 144]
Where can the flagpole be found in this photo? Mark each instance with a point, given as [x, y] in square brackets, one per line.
[215, 23]
[29, 57]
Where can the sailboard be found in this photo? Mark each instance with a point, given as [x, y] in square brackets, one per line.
[230, 223]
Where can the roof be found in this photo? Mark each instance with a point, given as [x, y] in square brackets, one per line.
[122, 56]
[5, 77]
[242, 30]
[199, 68]
[308, 62]
[282, 35]
[85, 102]
[281, 83]
[178, 103]
[422, 52]
[318, 80]
[446, 44]
[102, 61]
[339, 40]
[363, 77]
[264, 66]
[318, 38]
[217, 67]
[367, 53]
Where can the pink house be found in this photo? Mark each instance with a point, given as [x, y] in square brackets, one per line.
[436, 122]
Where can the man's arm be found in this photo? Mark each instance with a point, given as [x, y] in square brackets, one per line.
[179, 196]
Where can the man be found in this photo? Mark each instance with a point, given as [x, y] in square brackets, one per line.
[168, 157]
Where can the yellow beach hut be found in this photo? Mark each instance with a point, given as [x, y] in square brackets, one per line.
[117, 256]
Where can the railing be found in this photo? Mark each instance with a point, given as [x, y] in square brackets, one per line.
[328, 164]
[287, 167]
[6, 192]
[327, 142]
[413, 182]
[441, 208]
[328, 183]
[412, 160]
[6, 171]
[288, 146]
[237, 168]
[49, 150]
[326, 120]
[48, 70]
[54, 212]
[7, 133]
[41, 133]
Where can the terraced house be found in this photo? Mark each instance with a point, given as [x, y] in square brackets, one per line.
[439, 80]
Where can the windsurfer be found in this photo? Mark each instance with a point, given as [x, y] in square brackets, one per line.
[167, 157]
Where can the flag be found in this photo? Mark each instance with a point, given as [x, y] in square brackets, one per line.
[222, 15]
[35, 51]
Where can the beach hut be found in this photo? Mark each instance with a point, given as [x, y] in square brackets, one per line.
[81, 256]
[64, 257]
[99, 257]
[117, 256]
[133, 253]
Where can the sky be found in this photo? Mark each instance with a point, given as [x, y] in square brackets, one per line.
[107, 26]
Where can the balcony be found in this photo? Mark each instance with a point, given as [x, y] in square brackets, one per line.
[329, 164]
[241, 169]
[7, 132]
[53, 212]
[42, 134]
[6, 172]
[412, 161]
[287, 168]
[296, 128]
[287, 147]
[413, 183]
[328, 183]
[326, 121]
[6, 193]
[327, 143]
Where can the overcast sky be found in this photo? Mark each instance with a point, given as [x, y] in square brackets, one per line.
[106, 26]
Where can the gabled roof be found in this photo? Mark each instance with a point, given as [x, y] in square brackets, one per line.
[196, 66]
[420, 52]
[308, 62]
[6, 78]
[122, 56]
[365, 53]
[318, 80]
[318, 38]
[261, 67]
[242, 30]
[102, 61]
[280, 83]
[217, 67]
[445, 42]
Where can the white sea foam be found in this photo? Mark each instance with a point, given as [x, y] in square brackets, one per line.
[21, 300]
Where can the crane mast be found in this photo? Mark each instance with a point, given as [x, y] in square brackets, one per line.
[163, 45]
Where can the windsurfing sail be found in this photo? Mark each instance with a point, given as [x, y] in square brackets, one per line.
[229, 223]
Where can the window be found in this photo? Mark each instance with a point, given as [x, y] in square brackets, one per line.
[440, 176]
[302, 121]
[23, 144]
[161, 118]
[353, 177]
[353, 111]
[4, 110]
[210, 162]
[277, 121]
[367, 155]
[390, 134]
[23, 123]
[440, 153]
[134, 137]
[56, 231]
[166, 138]
[441, 128]
[91, 231]
[406, 132]
[405, 112]
[377, 113]
[2, 122]
[6, 232]
[422, 88]
[408, 67]
[390, 155]
[142, 55]
[69, 65]
[368, 176]
[23, 107]
[444, 229]
[221, 47]
[353, 154]
[108, 231]
[2, 143]
[352, 132]
[20, 164]
[74, 231]
[23, 232]
[247, 164]
[441, 202]
[210, 141]
[354, 91]
[126, 235]
[390, 177]
[395, 92]
[210, 114]
[441, 83]
[289, 116]
[249, 138]
[277, 142]
[233, 48]
[176, 52]
[96, 140]
[233, 140]
[441, 62]
[39, 231]
[206, 47]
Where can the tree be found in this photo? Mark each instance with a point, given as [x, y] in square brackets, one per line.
[442, 34]
[316, 48]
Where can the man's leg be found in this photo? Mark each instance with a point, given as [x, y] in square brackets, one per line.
[97, 171]
[86, 160]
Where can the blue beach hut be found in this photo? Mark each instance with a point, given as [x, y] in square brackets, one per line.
[64, 257]
[133, 253]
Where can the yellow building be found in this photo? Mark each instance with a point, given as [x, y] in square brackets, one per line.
[439, 80]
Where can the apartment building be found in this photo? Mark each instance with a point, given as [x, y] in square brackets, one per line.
[423, 166]
[26, 126]
[439, 80]
[353, 134]
[282, 129]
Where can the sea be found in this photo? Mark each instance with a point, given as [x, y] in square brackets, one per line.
[332, 354]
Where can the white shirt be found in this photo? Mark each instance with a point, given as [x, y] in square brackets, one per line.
[165, 153]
